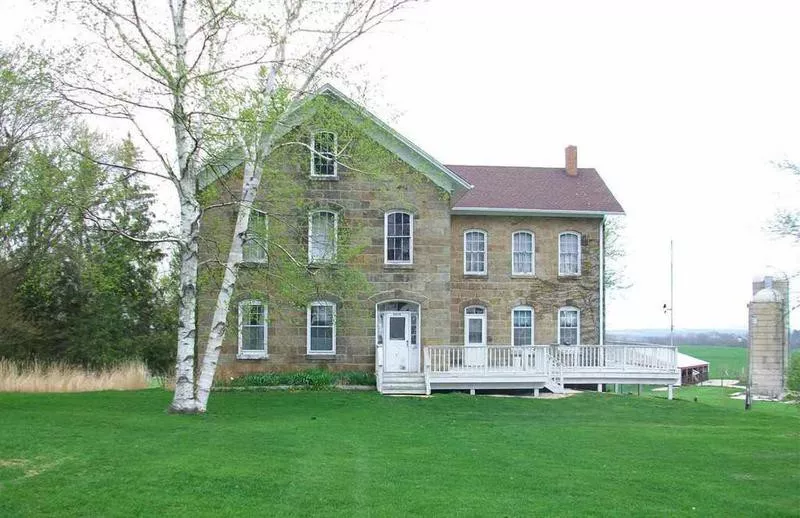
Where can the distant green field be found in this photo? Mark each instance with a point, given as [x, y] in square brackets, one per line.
[724, 362]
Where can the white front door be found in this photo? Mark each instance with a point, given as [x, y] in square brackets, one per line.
[475, 339]
[397, 338]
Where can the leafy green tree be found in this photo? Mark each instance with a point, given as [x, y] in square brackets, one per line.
[70, 290]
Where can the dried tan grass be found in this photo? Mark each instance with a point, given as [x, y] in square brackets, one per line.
[59, 377]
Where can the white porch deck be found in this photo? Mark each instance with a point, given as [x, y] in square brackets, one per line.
[545, 366]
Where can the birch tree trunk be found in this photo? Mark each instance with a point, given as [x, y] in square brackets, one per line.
[250, 184]
[184, 400]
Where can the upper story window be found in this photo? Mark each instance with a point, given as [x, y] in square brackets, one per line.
[254, 249]
[475, 252]
[252, 329]
[569, 253]
[522, 249]
[399, 238]
[322, 230]
[522, 326]
[321, 327]
[323, 154]
[569, 326]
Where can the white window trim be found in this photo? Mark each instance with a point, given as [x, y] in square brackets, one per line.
[253, 355]
[335, 237]
[533, 323]
[558, 324]
[386, 237]
[560, 265]
[308, 329]
[485, 251]
[314, 153]
[484, 317]
[266, 230]
[533, 253]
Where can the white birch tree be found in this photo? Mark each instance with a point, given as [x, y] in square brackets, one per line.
[162, 67]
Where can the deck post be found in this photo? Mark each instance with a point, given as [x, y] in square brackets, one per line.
[599, 387]
[472, 392]
[535, 392]
[639, 389]
[669, 392]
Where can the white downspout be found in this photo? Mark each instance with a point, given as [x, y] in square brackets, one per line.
[602, 279]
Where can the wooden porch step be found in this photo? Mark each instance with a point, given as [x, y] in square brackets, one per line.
[390, 390]
[403, 383]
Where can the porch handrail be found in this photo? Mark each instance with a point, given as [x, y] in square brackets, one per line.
[485, 359]
[617, 357]
[379, 366]
[544, 359]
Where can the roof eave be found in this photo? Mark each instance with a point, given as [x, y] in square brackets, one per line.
[503, 211]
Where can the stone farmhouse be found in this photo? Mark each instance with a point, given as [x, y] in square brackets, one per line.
[476, 276]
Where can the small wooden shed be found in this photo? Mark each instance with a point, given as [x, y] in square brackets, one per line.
[693, 370]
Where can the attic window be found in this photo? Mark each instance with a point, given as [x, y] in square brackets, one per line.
[323, 154]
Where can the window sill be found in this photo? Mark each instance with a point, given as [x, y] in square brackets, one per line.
[475, 275]
[253, 264]
[568, 275]
[322, 264]
[523, 275]
[324, 178]
[252, 356]
[320, 356]
[398, 266]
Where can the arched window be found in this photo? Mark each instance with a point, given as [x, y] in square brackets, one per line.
[252, 329]
[322, 230]
[569, 253]
[323, 154]
[399, 238]
[522, 326]
[321, 330]
[522, 253]
[569, 326]
[475, 252]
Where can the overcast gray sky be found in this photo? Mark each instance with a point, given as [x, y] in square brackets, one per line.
[682, 106]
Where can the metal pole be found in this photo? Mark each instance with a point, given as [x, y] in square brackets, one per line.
[671, 296]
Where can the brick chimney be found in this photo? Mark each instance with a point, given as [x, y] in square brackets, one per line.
[571, 153]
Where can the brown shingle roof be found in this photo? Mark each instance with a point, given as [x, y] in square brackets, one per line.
[546, 189]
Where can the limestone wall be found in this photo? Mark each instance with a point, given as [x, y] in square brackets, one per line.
[500, 291]
[360, 199]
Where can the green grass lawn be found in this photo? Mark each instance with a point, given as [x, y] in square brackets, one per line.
[724, 362]
[360, 454]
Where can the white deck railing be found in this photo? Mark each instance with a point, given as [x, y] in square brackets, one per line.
[616, 357]
[456, 359]
[542, 359]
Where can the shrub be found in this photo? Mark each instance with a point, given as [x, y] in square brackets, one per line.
[357, 378]
[311, 378]
[793, 380]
